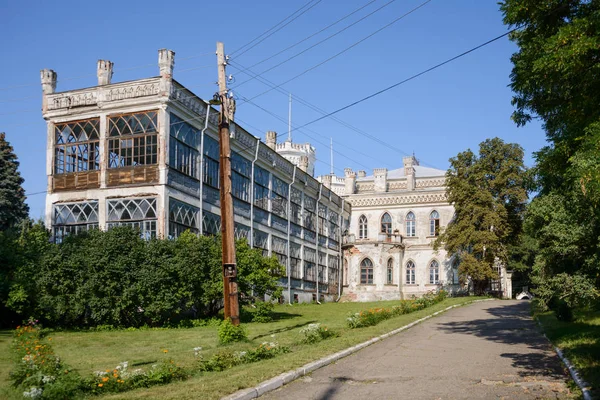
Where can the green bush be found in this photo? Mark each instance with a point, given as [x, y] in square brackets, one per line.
[263, 312]
[314, 333]
[563, 311]
[229, 333]
[228, 359]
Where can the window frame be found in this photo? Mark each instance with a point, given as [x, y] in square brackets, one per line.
[411, 224]
[390, 271]
[386, 226]
[363, 226]
[366, 271]
[434, 272]
[411, 269]
[434, 223]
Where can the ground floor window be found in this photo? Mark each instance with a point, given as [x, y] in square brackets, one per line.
[410, 273]
[434, 272]
[182, 217]
[72, 218]
[390, 271]
[366, 272]
[138, 213]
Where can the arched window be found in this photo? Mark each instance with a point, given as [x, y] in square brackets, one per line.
[410, 273]
[390, 271]
[386, 224]
[455, 278]
[410, 224]
[434, 223]
[434, 272]
[362, 227]
[366, 272]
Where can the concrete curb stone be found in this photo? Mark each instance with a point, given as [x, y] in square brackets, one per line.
[287, 377]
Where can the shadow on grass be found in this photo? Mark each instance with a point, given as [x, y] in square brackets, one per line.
[512, 324]
[284, 329]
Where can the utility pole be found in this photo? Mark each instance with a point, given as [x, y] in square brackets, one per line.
[230, 287]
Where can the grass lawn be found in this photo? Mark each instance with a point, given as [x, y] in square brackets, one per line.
[92, 351]
[580, 342]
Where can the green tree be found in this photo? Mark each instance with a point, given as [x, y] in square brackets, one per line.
[12, 196]
[488, 193]
[556, 80]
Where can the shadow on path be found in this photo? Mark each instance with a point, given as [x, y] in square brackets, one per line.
[512, 324]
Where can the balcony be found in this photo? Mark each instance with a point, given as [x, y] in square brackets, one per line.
[391, 238]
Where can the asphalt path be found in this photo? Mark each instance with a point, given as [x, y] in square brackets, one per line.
[487, 350]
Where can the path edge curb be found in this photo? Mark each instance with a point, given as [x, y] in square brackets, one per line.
[583, 385]
[289, 376]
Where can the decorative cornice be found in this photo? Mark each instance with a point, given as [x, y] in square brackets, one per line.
[391, 200]
[431, 182]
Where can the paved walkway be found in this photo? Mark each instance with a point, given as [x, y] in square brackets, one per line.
[487, 350]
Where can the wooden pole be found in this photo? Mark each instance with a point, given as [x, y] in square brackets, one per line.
[230, 289]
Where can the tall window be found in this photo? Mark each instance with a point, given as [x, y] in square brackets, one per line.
[279, 195]
[183, 147]
[386, 224]
[133, 140]
[366, 272]
[310, 265]
[434, 223]
[210, 162]
[77, 146]
[310, 207]
[138, 213]
[434, 272]
[455, 278]
[410, 273]
[390, 271]
[240, 177]
[72, 218]
[261, 188]
[362, 227]
[410, 224]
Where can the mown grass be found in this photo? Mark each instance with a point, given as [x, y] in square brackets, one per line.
[91, 351]
[580, 342]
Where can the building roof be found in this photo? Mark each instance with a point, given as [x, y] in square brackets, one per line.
[420, 172]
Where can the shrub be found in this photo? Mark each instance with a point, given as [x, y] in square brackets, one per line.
[228, 359]
[263, 312]
[563, 311]
[229, 333]
[314, 333]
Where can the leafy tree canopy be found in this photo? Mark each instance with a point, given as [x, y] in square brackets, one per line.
[488, 193]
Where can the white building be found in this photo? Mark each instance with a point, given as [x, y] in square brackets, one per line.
[145, 153]
[396, 216]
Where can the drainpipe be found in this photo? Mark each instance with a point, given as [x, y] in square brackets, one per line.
[289, 209]
[317, 247]
[341, 260]
[201, 214]
[251, 239]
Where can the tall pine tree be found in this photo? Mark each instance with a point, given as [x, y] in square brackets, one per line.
[12, 196]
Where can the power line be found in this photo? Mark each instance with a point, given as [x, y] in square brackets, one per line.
[345, 50]
[408, 79]
[268, 32]
[319, 43]
[323, 112]
[314, 34]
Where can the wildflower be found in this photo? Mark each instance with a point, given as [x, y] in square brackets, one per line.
[105, 379]
[165, 351]
[100, 385]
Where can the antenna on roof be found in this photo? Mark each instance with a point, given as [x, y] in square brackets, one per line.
[331, 150]
[290, 120]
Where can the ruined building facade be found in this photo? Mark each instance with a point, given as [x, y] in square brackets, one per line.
[144, 153]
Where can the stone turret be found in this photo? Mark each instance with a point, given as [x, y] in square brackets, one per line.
[326, 180]
[349, 181]
[409, 171]
[303, 165]
[362, 174]
[380, 175]
[271, 139]
[48, 77]
[166, 63]
[48, 81]
[104, 70]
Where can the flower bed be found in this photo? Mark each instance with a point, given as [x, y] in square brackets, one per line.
[374, 316]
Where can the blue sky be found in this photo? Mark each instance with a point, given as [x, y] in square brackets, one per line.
[436, 115]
